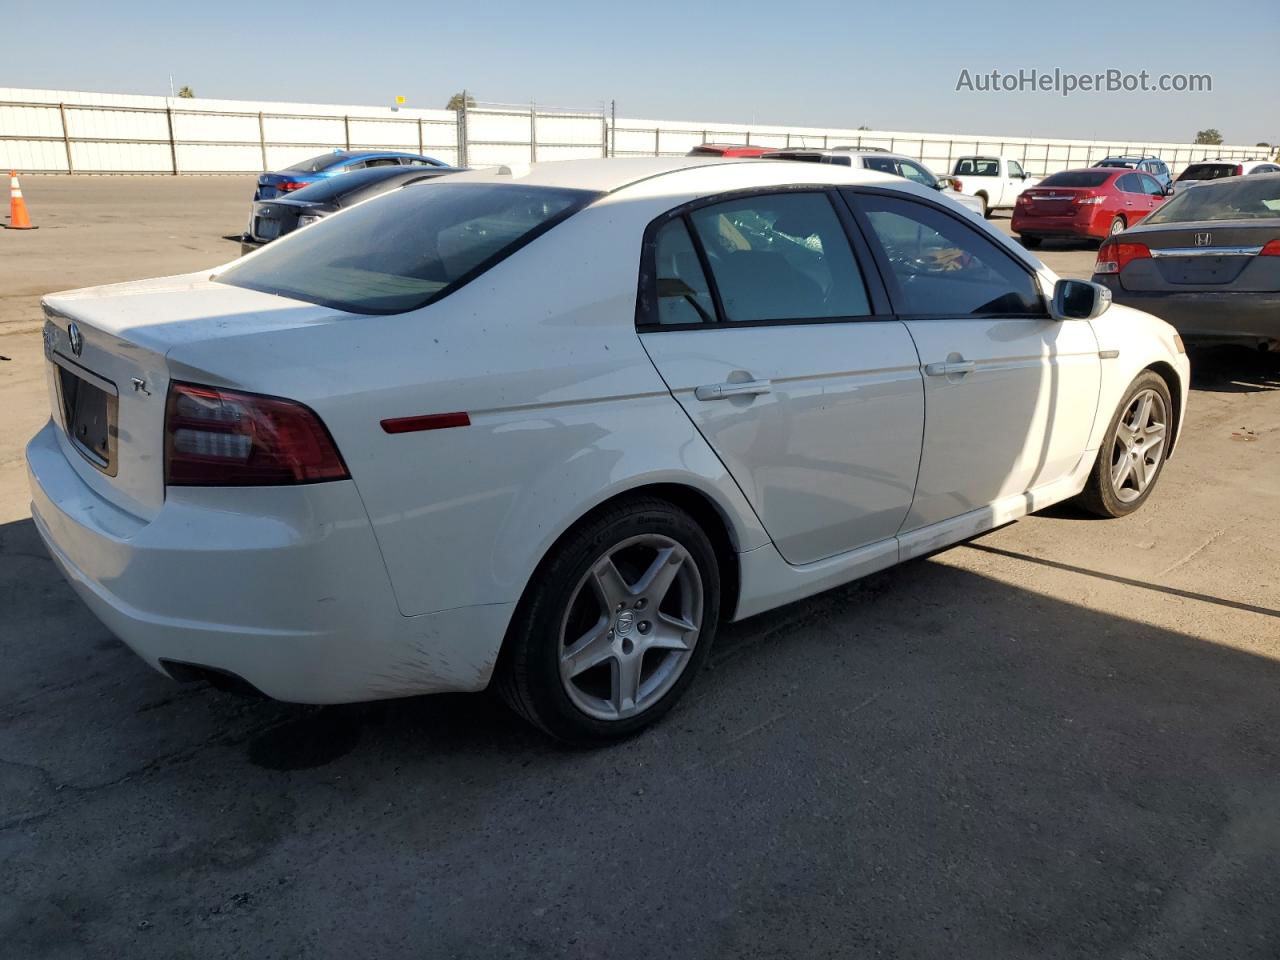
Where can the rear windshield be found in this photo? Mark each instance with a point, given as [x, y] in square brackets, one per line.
[402, 250]
[331, 187]
[1208, 171]
[1255, 198]
[316, 164]
[1126, 164]
[977, 167]
[1076, 178]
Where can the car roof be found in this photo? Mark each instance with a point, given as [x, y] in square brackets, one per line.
[717, 173]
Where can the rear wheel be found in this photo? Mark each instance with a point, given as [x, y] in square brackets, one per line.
[986, 210]
[1117, 225]
[1133, 450]
[615, 627]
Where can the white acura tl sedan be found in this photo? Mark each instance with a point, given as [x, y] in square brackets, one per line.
[549, 426]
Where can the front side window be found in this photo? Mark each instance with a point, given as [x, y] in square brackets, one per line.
[945, 268]
[1015, 169]
[1151, 186]
[683, 293]
[913, 171]
[402, 250]
[780, 257]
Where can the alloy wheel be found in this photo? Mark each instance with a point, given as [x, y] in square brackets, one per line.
[630, 627]
[1138, 449]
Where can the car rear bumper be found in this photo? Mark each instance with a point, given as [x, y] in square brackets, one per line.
[1065, 226]
[1206, 315]
[283, 587]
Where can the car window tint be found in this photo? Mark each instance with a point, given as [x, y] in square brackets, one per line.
[683, 293]
[1129, 183]
[781, 257]
[881, 164]
[1152, 186]
[945, 268]
[382, 162]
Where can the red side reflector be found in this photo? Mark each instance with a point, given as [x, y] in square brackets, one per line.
[429, 421]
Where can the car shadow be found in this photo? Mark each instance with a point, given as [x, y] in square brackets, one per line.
[930, 761]
[1234, 369]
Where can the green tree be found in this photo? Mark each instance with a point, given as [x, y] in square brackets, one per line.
[455, 102]
[187, 93]
[1211, 135]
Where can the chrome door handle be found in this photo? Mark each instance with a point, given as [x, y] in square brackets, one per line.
[744, 388]
[949, 368]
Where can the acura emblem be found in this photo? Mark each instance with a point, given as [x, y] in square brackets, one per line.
[76, 338]
[626, 620]
[1204, 239]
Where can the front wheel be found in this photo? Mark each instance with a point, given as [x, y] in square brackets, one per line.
[615, 626]
[1133, 450]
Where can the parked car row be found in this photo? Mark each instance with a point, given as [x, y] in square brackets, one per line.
[548, 426]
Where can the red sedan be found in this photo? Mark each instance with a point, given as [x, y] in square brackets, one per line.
[1089, 204]
[728, 150]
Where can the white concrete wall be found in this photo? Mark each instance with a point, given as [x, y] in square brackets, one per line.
[125, 133]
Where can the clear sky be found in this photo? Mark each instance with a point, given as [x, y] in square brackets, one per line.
[813, 62]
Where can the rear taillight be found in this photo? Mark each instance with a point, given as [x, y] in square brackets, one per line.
[1271, 249]
[1239, 170]
[285, 186]
[957, 184]
[1113, 255]
[1024, 198]
[225, 438]
[1088, 201]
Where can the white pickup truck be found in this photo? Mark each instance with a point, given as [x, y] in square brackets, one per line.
[994, 180]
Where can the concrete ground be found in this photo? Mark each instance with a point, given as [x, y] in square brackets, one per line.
[1061, 740]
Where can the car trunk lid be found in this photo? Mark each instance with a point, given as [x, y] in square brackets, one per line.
[1054, 201]
[1205, 256]
[108, 370]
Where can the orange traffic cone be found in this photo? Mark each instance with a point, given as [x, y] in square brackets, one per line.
[19, 219]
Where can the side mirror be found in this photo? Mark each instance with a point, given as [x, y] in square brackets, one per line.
[1168, 191]
[1078, 300]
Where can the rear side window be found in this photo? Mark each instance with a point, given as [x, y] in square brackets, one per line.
[881, 165]
[1077, 178]
[683, 293]
[944, 268]
[382, 162]
[780, 257]
[402, 250]
[1129, 183]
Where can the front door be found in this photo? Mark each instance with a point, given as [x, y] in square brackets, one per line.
[1010, 393]
[765, 328]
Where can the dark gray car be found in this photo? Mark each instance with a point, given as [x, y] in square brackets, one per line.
[1208, 262]
[274, 218]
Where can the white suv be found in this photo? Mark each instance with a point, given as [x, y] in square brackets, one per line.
[882, 161]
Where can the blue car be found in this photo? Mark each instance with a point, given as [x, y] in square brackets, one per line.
[271, 185]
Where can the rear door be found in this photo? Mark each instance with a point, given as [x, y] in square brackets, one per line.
[1010, 393]
[776, 341]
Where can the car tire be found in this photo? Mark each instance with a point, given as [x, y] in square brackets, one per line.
[1031, 243]
[986, 210]
[630, 668]
[1117, 225]
[1133, 451]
